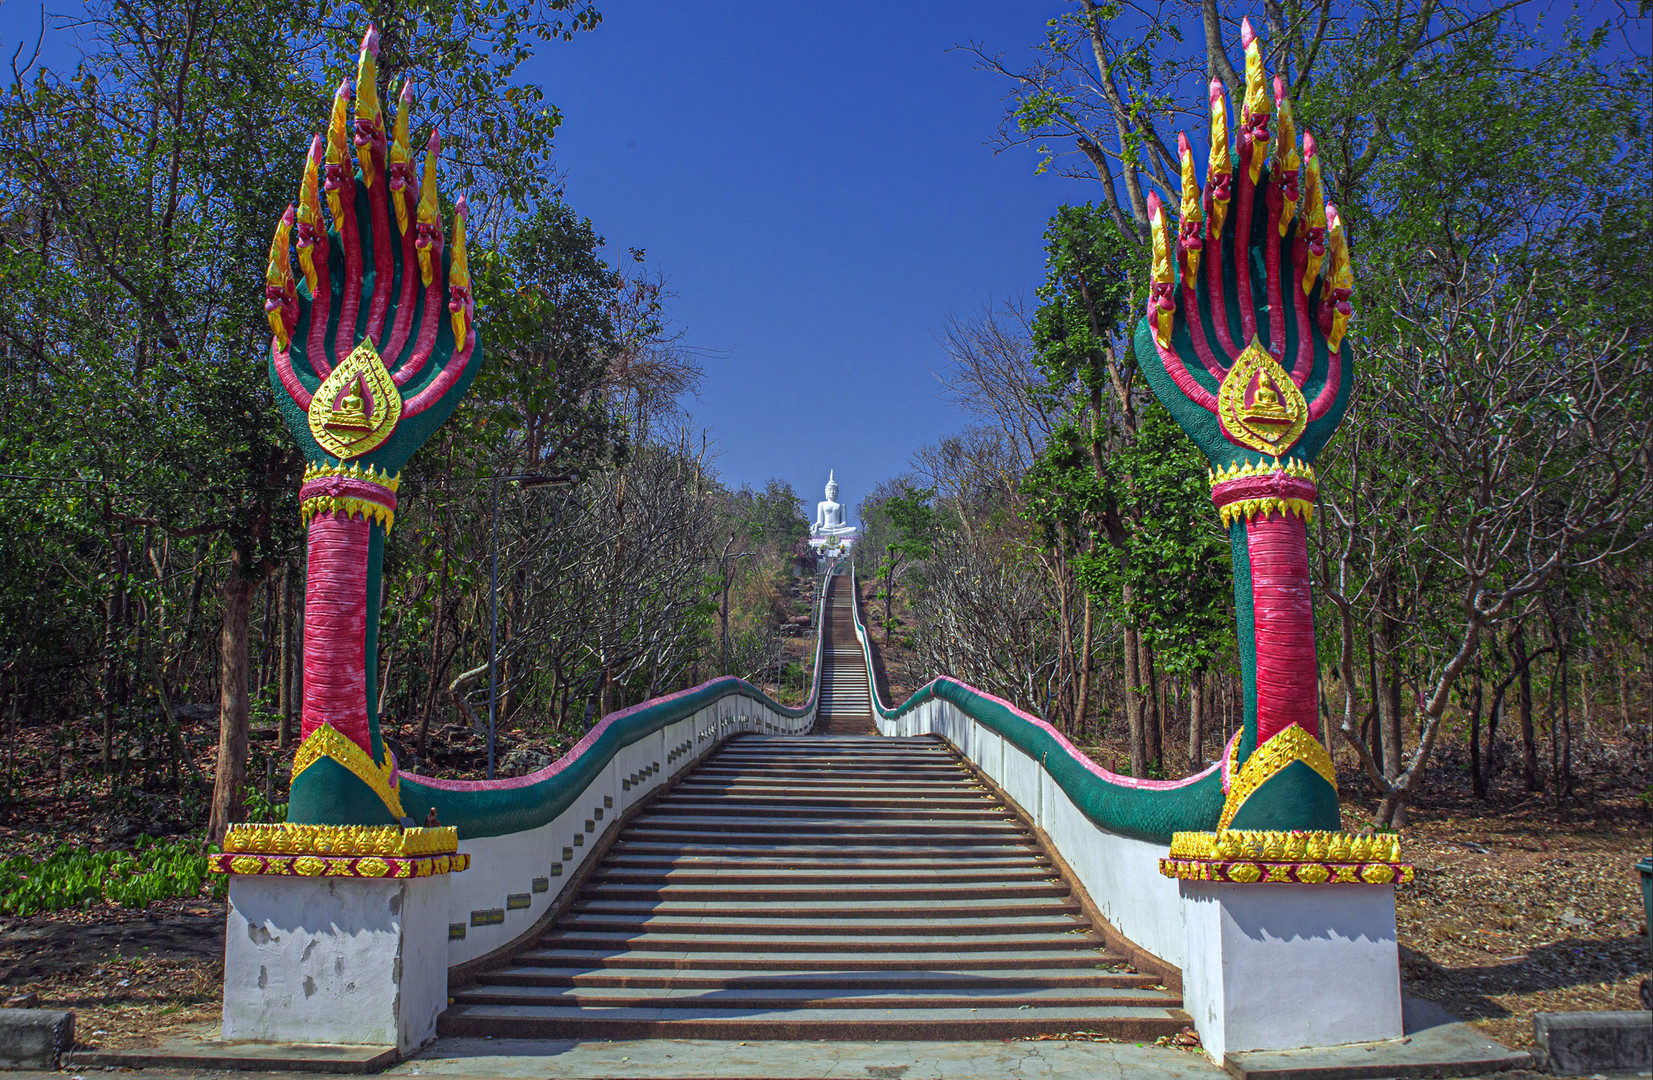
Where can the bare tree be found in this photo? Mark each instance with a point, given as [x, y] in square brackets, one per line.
[1526, 444]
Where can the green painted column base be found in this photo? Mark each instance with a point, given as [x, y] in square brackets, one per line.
[327, 793]
[1295, 798]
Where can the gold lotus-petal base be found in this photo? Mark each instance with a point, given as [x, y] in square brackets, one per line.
[1296, 846]
[341, 840]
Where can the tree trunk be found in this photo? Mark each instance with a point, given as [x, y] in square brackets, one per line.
[1529, 742]
[437, 671]
[1477, 777]
[1196, 722]
[1561, 729]
[1133, 705]
[267, 636]
[284, 689]
[1389, 714]
[1085, 669]
[114, 619]
[231, 773]
[1376, 718]
[1624, 695]
[1152, 724]
[1065, 667]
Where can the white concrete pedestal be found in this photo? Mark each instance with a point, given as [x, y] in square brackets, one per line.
[1281, 966]
[336, 960]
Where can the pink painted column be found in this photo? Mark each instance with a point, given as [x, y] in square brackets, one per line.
[335, 628]
[1283, 613]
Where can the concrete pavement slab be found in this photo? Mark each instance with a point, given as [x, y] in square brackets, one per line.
[700, 1059]
[1436, 1044]
[201, 1048]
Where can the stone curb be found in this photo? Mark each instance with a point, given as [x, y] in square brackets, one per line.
[188, 1053]
[1595, 1042]
[34, 1038]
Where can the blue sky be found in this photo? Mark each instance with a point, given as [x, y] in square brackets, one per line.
[816, 182]
[817, 185]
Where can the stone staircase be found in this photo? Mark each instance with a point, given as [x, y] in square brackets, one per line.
[817, 887]
[846, 692]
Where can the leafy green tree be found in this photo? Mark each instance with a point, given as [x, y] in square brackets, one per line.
[139, 196]
[773, 516]
[1106, 92]
[911, 522]
[1081, 332]
[1498, 215]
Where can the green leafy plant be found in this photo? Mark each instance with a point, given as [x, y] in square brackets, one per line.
[260, 810]
[74, 877]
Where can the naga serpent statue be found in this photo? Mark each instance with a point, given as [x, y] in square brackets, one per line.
[373, 347]
[1243, 341]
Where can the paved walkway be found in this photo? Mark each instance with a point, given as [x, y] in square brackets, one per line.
[689, 1059]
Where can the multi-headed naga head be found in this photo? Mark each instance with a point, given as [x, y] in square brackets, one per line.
[1249, 290]
[1243, 343]
[374, 344]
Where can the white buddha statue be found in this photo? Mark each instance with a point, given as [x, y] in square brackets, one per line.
[829, 514]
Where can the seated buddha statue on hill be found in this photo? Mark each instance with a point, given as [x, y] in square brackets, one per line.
[830, 519]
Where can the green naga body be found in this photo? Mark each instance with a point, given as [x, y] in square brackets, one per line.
[1243, 341]
[374, 345]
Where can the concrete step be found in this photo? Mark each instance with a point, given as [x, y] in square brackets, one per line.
[826, 809]
[804, 775]
[1014, 851]
[836, 763]
[961, 925]
[844, 767]
[1064, 959]
[797, 824]
[1078, 938]
[819, 800]
[1000, 848]
[804, 997]
[854, 833]
[869, 980]
[563, 1021]
[939, 793]
[864, 893]
[839, 909]
[610, 874]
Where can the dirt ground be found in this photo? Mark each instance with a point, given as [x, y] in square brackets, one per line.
[1519, 909]
[130, 977]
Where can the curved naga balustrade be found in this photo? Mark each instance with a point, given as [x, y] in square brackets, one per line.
[480, 808]
[1150, 810]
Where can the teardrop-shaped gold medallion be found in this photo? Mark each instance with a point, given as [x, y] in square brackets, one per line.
[357, 406]
[1268, 417]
